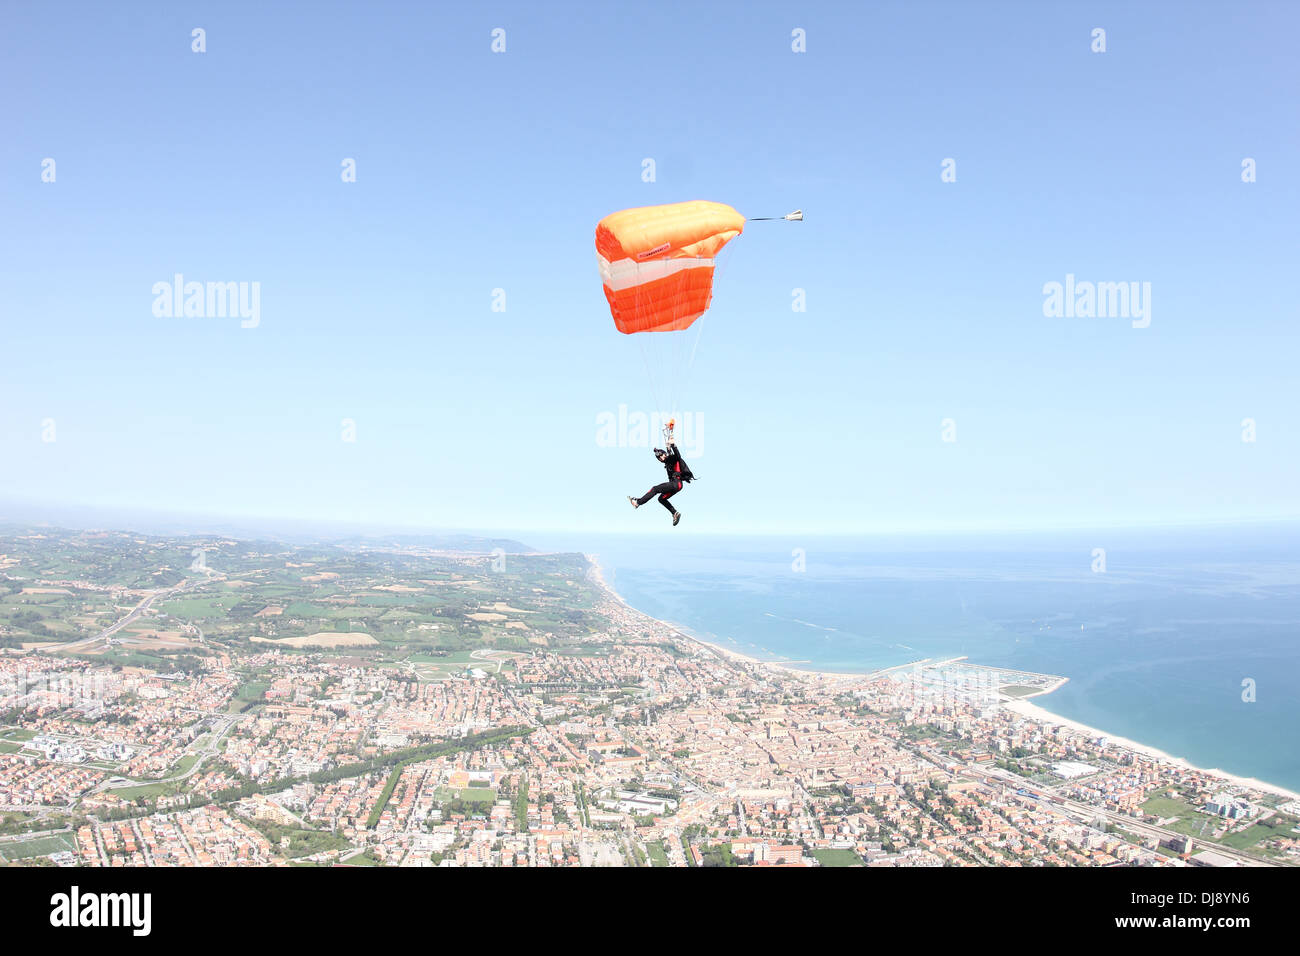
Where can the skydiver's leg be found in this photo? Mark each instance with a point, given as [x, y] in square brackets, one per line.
[660, 489]
[672, 488]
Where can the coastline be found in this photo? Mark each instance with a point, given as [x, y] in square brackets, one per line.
[598, 572]
[1040, 715]
[1021, 706]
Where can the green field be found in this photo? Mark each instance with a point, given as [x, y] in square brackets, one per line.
[484, 795]
[148, 791]
[1277, 827]
[184, 764]
[584, 650]
[40, 846]
[310, 611]
[455, 657]
[1191, 821]
[837, 857]
[1199, 825]
[203, 607]
[430, 668]
[253, 690]
[307, 842]
[1166, 807]
[655, 850]
[301, 842]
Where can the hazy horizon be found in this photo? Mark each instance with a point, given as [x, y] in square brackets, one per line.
[180, 523]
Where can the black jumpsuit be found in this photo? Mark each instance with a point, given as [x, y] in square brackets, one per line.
[677, 473]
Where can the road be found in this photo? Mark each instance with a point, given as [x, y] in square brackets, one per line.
[210, 749]
[1089, 813]
[139, 609]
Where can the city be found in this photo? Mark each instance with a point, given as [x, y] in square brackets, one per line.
[419, 706]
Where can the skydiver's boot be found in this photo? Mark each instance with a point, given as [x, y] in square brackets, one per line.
[635, 503]
[677, 516]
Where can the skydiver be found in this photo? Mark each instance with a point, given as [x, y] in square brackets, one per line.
[678, 472]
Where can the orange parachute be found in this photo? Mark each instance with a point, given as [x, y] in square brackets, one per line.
[656, 262]
[657, 265]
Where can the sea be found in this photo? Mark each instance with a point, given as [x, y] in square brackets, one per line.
[1184, 639]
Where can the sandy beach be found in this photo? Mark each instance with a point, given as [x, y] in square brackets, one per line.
[1020, 706]
[727, 652]
[1039, 715]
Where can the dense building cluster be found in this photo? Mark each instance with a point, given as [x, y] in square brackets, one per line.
[633, 745]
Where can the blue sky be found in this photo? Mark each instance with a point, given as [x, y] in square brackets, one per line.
[479, 171]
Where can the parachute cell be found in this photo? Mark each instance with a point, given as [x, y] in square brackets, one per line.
[656, 262]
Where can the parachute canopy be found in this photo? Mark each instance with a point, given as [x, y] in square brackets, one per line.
[656, 262]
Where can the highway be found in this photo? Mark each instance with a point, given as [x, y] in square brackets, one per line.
[135, 612]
